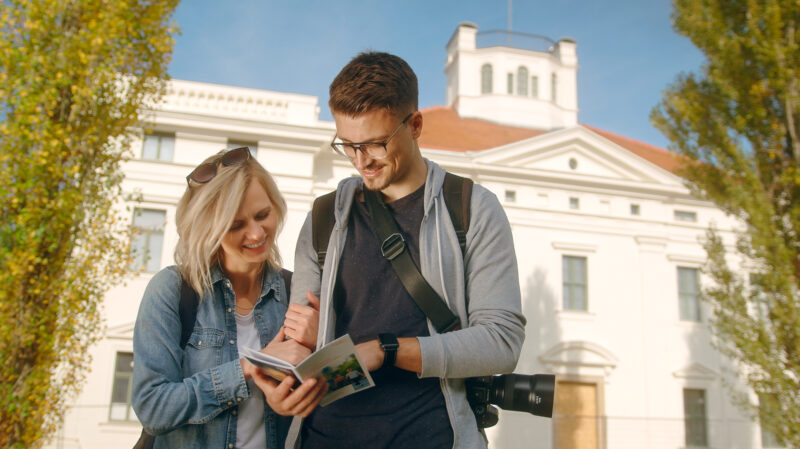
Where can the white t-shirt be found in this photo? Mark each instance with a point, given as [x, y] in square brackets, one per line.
[250, 432]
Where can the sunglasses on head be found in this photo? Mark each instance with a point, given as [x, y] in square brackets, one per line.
[204, 173]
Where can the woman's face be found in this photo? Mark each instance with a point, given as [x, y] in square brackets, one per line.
[247, 243]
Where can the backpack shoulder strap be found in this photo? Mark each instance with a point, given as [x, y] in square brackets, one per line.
[322, 219]
[457, 195]
[287, 279]
[187, 310]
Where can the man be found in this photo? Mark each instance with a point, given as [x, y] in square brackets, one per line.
[419, 399]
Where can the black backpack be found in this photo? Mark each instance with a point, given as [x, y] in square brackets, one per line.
[457, 194]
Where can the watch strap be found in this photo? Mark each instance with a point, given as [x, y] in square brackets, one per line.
[389, 344]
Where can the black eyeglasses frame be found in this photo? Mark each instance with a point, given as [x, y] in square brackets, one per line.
[339, 147]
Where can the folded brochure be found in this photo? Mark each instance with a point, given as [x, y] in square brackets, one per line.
[337, 363]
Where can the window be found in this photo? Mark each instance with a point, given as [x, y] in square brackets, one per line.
[511, 196]
[510, 83]
[158, 147]
[685, 215]
[252, 146]
[689, 293]
[553, 87]
[535, 86]
[768, 439]
[694, 414]
[121, 390]
[486, 79]
[574, 203]
[574, 280]
[635, 209]
[522, 81]
[148, 240]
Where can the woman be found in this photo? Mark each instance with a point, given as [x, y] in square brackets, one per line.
[204, 395]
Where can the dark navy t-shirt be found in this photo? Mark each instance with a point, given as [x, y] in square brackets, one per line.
[402, 410]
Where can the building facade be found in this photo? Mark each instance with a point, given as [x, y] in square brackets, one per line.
[608, 239]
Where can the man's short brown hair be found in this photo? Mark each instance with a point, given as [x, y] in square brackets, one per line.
[374, 80]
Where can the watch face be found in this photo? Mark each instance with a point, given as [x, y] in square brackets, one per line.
[388, 342]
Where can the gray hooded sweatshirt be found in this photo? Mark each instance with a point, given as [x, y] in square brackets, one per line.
[482, 289]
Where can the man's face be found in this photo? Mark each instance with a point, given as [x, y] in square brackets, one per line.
[376, 126]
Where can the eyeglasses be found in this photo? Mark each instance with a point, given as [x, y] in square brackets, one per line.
[376, 150]
[204, 173]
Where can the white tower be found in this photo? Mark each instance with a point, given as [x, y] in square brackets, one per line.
[503, 81]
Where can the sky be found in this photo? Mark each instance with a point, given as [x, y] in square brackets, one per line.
[628, 52]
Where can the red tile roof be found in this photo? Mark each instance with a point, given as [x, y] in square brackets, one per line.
[444, 129]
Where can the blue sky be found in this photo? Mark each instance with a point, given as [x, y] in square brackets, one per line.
[627, 51]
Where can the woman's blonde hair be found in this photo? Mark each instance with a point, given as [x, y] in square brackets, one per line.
[206, 212]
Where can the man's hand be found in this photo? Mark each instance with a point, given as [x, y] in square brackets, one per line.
[302, 322]
[287, 402]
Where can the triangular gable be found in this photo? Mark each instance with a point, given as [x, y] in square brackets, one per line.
[122, 331]
[596, 157]
[696, 371]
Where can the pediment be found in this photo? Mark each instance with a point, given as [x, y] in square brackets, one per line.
[122, 331]
[696, 371]
[579, 353]
[577, 152]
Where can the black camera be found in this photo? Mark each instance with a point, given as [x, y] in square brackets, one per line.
[519, 392]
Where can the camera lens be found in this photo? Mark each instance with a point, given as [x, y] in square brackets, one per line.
[522, 393]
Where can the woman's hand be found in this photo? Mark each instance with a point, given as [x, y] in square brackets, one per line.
[302, 322]
[286, 401]
[288, 350]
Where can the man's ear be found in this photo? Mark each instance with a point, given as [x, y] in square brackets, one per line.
[415, 123]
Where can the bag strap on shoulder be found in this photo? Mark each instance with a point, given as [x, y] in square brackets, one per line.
[457, 194]
[187, 310]
[322, 218]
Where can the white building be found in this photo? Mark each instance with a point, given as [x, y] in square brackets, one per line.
[607, 239]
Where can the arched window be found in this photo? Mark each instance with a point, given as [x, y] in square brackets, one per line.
[486, 79]
[522, 81]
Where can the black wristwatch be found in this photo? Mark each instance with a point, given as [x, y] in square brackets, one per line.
[389, 344]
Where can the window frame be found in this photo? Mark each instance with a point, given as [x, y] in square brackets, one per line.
[569, 284]
[142, 265]
[487, 77]
[130, 415]
[160, 136]
[689, 418]
[689, 310]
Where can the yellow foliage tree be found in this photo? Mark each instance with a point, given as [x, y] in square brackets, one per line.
[74, 76]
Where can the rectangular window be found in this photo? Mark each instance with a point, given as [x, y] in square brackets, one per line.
[574, 202]
[511, 196]
[158, 147]
[553, 88]
[768, 439]
[635, 209]
[535, 86]
[575, 282]
[689, 293]
[252, 146]
[694, 413]
[685, 215]
[148, 240]
[121, 409]
[510, 83]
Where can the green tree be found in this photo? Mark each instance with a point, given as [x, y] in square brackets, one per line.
[74, 76]
[738, 123]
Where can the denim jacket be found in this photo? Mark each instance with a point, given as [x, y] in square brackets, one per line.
[189, 397]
